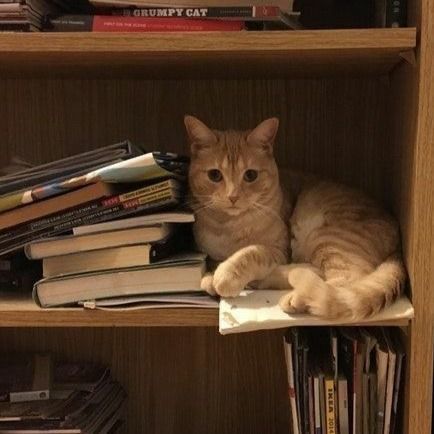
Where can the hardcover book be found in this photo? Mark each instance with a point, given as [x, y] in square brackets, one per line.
[176, 274]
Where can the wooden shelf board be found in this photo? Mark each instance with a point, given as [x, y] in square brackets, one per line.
[213, 54]
[21, 311]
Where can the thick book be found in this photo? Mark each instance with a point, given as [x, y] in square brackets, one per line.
[67, 244]
[38, 210]
[146, 199]
[108, 23]
[57, 177]
[135, 222]
[113, 258]
[181, 273]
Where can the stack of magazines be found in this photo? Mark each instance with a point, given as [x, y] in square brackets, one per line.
[110, 227]
[40, 395]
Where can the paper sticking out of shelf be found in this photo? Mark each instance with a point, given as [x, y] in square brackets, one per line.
[259, 310]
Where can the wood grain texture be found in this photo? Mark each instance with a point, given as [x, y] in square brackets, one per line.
[21, 311]
[412, 109]
[421, 375]
[181, 380]
[332, 127]
[215, 54]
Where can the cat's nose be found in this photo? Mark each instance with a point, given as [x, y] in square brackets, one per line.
[233, 199]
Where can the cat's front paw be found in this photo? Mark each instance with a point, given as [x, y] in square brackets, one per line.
[207, 285]
[294, 302]
[226, 281]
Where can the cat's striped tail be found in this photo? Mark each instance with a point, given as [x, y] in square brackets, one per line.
[355, 300]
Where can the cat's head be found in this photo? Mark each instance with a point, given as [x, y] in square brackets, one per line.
[232, 171]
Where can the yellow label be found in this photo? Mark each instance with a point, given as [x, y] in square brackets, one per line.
[330, 406]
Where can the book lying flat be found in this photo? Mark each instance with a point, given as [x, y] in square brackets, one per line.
[147, 167]
[46, 180]
[180, 273]
[154, 301]
[133, 222]
[260, 310]
[67, 244]
[56, 204]
[160, 195]
[113, 258]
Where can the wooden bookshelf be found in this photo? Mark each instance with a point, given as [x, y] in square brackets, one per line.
[238, 54]
[21, 311]
[354, 105]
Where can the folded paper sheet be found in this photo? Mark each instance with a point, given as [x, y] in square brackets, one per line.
[259, 310]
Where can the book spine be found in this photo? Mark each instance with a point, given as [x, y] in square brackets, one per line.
[110, 213]
[395, 13]
[103, 23]
[151, 189]
[228, 12]
[161, 250]
[291, 385]
[87, 208]
[311, 405]
[316, 391]
[330, 405]
[69, 23]
[343, 406]
[14, 27]
[323, 403]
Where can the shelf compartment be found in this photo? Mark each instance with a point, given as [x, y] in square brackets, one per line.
[21, 311]
[205, 55]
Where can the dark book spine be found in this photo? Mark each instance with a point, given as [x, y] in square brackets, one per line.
[396, 14]
[69, 23]
[235, 12]
[14, 27]
[110, 213]
[81, 210]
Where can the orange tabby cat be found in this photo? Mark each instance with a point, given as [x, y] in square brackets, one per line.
[345, 249]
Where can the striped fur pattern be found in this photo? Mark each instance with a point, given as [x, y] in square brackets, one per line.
[344, 248]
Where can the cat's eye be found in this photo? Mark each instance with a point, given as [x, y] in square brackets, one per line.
[215, 175]
[250, 175]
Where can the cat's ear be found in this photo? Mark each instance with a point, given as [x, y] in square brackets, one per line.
[200, 136]
[265, 134]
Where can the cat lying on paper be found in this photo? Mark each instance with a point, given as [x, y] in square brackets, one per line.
[344, 249]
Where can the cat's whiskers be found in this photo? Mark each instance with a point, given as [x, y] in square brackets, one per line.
[267, 210]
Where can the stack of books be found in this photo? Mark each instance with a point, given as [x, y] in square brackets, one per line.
[29, 15]
[151, 16]
[40, 395]
[344, 380]
[108, 228]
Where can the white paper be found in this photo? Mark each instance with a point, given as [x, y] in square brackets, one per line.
[259, 310]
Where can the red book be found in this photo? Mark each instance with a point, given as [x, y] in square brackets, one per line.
[102, 23]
